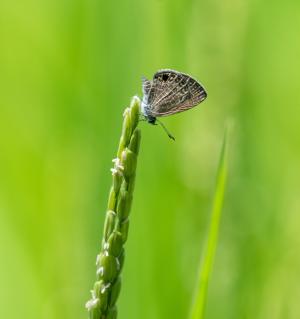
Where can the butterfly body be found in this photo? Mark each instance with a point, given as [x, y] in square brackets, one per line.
[170, 92]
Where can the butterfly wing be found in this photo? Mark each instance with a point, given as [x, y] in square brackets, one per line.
[173, 92]
[146, 85]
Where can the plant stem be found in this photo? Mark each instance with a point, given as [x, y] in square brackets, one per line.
[110, 261]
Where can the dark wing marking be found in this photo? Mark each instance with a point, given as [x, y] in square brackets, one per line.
[163, 84]
[173, 92]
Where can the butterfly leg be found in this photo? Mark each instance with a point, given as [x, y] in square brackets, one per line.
[166, 130]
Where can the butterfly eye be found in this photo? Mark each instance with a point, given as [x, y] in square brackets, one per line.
[165, 77]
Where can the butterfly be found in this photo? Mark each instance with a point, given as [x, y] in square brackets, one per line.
[170, 92]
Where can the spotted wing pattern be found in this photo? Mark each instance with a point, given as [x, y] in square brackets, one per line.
[172, 92]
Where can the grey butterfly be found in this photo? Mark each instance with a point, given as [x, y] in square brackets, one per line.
[170, 92]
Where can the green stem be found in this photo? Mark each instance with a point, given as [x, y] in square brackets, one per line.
[111, 258]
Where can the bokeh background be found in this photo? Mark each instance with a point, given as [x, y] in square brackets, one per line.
[67, 71]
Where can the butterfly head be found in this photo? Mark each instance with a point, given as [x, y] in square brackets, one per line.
[146, 113]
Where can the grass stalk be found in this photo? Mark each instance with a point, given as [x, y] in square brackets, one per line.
[206, 266]
[110, 260]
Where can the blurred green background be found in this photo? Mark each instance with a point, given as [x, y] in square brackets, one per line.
[67, 71]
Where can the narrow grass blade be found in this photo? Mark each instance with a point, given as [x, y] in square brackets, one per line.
[210, 249]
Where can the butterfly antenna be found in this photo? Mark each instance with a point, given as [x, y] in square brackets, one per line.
[166, 130]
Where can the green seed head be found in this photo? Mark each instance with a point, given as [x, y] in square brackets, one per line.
[115, 244]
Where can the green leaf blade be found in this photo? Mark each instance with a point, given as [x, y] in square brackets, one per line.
[198, 308]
